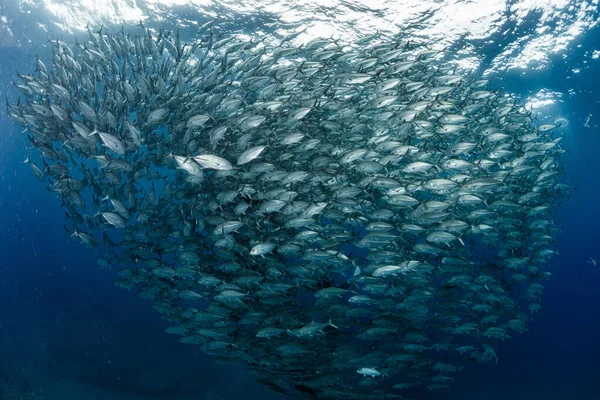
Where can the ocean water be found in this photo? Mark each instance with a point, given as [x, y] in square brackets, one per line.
[66, 332]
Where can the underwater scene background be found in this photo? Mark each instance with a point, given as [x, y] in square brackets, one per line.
[66, 332]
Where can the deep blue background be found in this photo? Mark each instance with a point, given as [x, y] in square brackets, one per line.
[67, 333]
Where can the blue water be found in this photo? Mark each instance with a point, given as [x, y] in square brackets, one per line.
[67, 333]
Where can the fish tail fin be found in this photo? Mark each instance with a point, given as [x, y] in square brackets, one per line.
[331, 324]
[94, 132]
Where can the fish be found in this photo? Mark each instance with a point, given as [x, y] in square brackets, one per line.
[592, 261]
[114, 219]
[262, 188]
[368, 371]
[209, 161]
[250, 154]
[109, 141]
